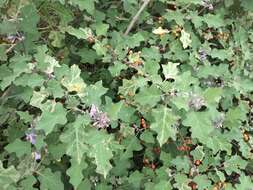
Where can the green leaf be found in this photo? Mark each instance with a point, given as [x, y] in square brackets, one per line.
[3, 56]
[5, 72]
[101, 28]
[88, 56]
[45, 62]
[19, 147]
[52, 115]
[94, 93]
[31, 80]
[196, 2]
[245, 183]
[222, 54]
[75, 172]
[175, 15]
[134, 40]
[100, 48]
[30, 18]
[38, 97]
[102, 155]
[135, 179]
[163, 185]
[234, 164]
[148, 96]
[54, 88]
[65, 14]
[57, 39]
[50, 180]
[218, 143]
[182, 182]
[214, 21]
[88, 5]
[74, 138]
[28, 183]
[57, 150]
[151, 53]
[17, 66]
[200, 125]
[247, 5]
[213, 95]
[8, 176]
[147, 136]
[203, 182]
[235, 116]
[198, 153]
[163, 125]
[245, 149]
[113, 110]
[85, 184]
[130, 86]
[101, 151]
[131, 144]
[25, 116]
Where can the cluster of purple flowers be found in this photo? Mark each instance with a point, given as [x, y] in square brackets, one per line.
[99, 119]
[31, 137]
[207, 4]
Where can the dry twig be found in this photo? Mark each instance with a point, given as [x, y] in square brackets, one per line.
[135, 18]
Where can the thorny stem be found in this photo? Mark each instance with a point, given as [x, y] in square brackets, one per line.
[135, 18]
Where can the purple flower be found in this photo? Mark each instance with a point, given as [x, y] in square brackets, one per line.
[93, 111]
[202, 55]
[31, 137]
[99, 119]
[37, 156]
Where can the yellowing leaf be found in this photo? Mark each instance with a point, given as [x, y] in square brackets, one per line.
[160, 31]
[185, 39]
[80, 33]
[170, 70]
[76, 87]
[73, 81]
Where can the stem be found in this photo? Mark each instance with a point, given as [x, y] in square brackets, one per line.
[135, 18]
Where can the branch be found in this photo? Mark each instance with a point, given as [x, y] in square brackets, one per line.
[135, 18]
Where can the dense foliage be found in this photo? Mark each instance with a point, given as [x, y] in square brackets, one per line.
[86, 104]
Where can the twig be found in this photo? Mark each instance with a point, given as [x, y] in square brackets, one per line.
[186, 7]
[5, 93]
[10, 48]
[135, 18]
